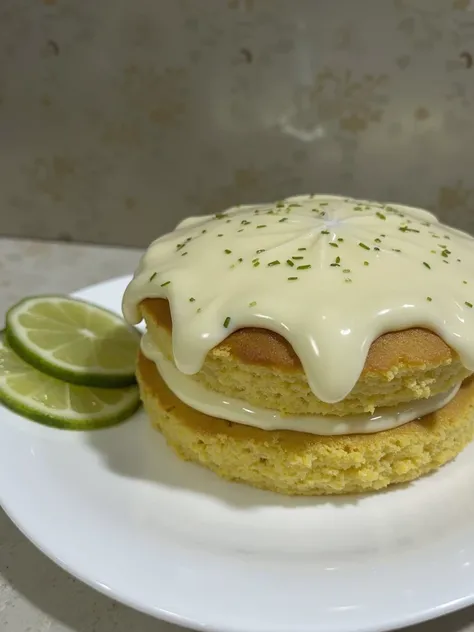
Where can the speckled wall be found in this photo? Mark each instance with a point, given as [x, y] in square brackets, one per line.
[119, 117]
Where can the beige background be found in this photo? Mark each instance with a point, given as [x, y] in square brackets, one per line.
[117, 118]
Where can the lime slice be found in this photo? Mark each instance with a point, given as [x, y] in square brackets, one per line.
[54, 403]
[74, 341]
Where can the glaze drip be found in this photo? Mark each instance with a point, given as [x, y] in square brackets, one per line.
[330, 274]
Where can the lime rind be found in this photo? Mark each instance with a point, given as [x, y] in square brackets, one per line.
[100, 407]
[48, 333]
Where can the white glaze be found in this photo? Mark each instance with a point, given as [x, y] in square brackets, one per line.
[215, 404]
[329, 316]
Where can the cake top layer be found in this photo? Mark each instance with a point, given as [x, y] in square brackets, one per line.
[330, 274]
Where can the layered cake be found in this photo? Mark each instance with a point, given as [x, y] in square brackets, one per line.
[317, 345]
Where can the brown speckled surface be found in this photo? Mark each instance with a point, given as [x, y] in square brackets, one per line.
[117, 123]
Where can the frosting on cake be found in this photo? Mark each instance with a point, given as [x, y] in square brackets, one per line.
[330, 274]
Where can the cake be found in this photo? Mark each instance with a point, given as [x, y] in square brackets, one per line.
[317, 345]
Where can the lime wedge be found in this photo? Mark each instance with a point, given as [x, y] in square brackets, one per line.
[54, 403]
[74, 341]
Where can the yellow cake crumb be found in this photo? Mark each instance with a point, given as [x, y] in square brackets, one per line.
[296, 463]
[259, 367]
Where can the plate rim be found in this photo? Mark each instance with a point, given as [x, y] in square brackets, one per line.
[413, 616]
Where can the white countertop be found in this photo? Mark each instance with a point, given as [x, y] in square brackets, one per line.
[36, 595]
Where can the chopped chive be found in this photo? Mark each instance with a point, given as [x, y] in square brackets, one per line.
[338, 259]
[273, 263]
[290, 262]
[220, 235]
[297, 258]
[465, 282]
[199, 310]
[280, 205]
[262, 226]
[306, 267]
[301, 249]
[227, 251]
[252, 304]
[245, 222]
[292, 278]
[346, 271]
[335, 265]
[429, 299]
[179, 246]
[364, 246]
[366, 263]
[192, 299]
[184, 254]
[203, 232]
[347, 280]
[256, 264]
[333, 245]
[324, 232]
[219, 215]
[445, 252]
[323, 203]
[396, 250]
[283, 219]
[258, 252]
[376, 248]
[377, 240]
[226, 322]
[468, 304]
[153, 276]
[380, 215]
[240, 259]
[340, 239]
[165, 283]
[427, 265]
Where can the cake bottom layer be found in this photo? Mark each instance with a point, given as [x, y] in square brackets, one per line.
[297, 463]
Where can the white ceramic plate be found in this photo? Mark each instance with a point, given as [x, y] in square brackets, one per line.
[120, 511]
